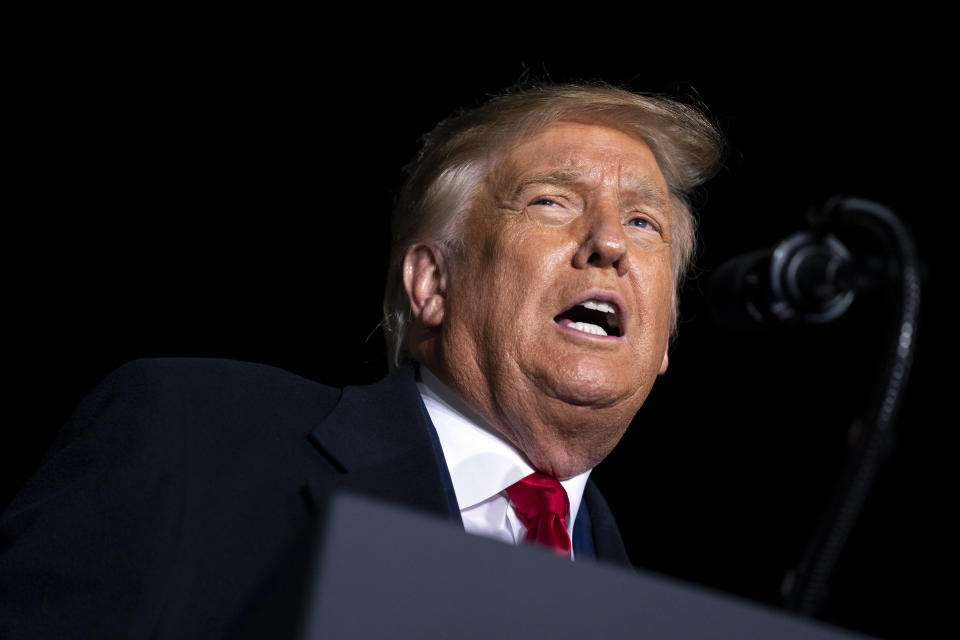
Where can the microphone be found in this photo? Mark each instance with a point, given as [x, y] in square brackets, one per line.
[807, 278]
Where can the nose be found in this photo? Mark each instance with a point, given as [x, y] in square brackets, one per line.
[605, 243]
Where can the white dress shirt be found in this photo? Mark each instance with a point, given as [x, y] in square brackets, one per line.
[482, 464]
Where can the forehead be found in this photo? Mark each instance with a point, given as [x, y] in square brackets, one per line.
[592, 152]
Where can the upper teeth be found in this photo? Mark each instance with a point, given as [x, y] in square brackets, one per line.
[597, 305]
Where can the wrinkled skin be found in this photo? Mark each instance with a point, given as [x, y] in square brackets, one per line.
[573, 212]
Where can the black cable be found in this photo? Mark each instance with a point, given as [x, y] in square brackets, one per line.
[805, 588]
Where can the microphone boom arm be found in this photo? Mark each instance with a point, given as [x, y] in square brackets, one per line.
[805, 587]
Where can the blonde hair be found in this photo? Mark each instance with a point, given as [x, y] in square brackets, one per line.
[461, 151]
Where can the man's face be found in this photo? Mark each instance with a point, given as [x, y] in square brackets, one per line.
[570, 239]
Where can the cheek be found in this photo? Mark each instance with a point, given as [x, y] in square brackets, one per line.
[655, 289]
[524, 258]
[520, 278]
[660, 285]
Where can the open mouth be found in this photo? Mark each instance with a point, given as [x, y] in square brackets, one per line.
[591, 316]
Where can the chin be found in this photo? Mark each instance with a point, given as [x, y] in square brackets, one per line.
[566, 459]
[583, 385]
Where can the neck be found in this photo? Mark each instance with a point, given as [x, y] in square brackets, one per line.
[557, 438]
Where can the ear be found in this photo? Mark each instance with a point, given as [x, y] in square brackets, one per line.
[666, 361]
[425, 279]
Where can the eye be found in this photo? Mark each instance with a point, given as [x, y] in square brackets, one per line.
[643, 229]
[544, 202]
[641, 223]
[553, 210]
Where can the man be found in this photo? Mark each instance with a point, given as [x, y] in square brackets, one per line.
[538, 244]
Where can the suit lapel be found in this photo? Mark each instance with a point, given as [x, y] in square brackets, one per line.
[379, 438]
[606, 535]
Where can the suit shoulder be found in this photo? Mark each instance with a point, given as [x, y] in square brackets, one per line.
[195, 379]
[224, 370]
[146, 401]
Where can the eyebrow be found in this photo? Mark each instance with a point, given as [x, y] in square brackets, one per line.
[638, 187]
[647, 192]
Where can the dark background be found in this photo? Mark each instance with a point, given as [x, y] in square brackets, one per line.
[217, 203]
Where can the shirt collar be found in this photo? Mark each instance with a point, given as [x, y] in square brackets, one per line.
[482, 463]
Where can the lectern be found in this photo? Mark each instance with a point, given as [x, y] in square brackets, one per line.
[379, 571]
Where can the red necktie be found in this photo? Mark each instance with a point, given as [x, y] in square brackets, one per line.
[542, 505]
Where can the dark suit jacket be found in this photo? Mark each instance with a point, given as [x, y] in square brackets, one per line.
[172, 497]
